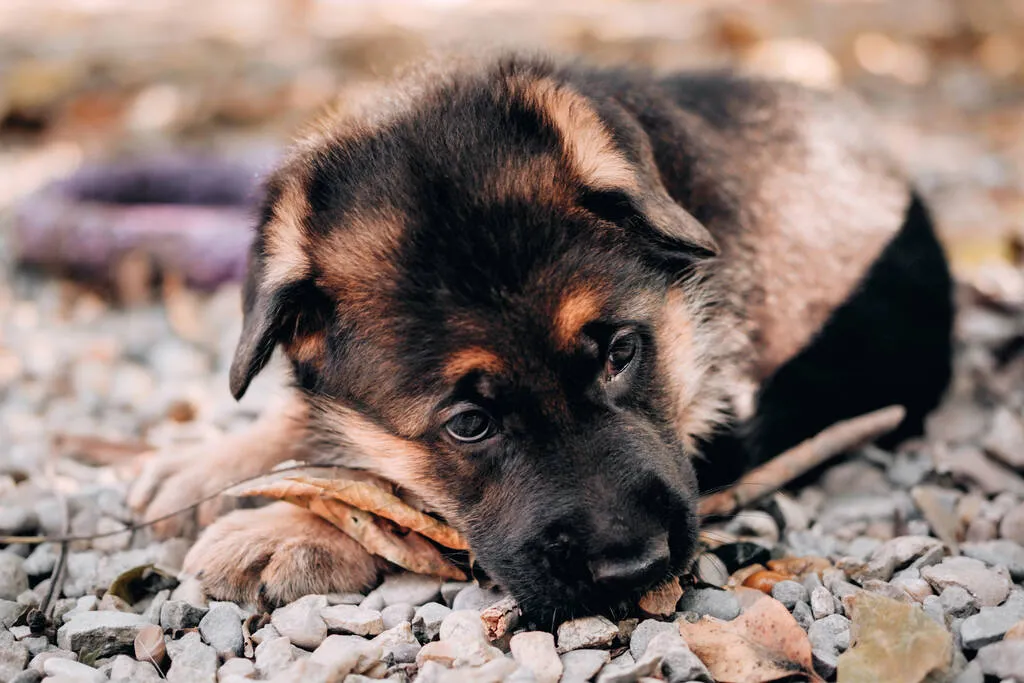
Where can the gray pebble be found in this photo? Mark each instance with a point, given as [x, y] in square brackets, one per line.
[345, 598]
[426, 623]
[673, 659]
[155, 606]
[374, 600]
[1004, 660]
[1000, 553]
[933, 608]
[825, 662]
[449, 589]
[831, 633]
[644, 632]
[178, 614]
[124, 669]
[343, 654]
[10, 612]
[41, 561]
[789, 593]
[970, 674]
[988, 586]
[1012, 525]
[265, 633]
[582, 665]
[16, 520]
[76, 671]
[39, 660]
[13, 656]
[756, 524]
[393, 615]
[822, 603]
[710, 601]
[586, 632]
[957, 602]
[475, 597]
[37, 645]
[27, 676]
[192, 661]
[274, 655]
[991, 623]
[535, 650]
[221, 628]
[413, 589]
[398, 642]
[13, 579]
[803, 614]
[100, 634]
[301, 622]
[353, 619]
[82, 574]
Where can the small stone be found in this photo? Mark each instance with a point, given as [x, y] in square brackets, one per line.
[933, 608]
[265, 633]
[583, 665]
[987, 586]
[1000, 553]
[450, 589]
[1004, 660]
[13, 579]
[475, 597]
[10, 612]
[623, 669]
[75, 671]
[957, 602]
[710, 601]
[353, 619]
[831, 633]
[1011, 527]
[36, 645]
[345, 598]
[301, 622]
[100, 634]
[586, 632]
[41, 561]
[13, 656]
[414, 589]
[789, 593]
[152, 611]
[178, 614]
[398, 642]
[1005, 438]
[426, 623]
[991, 623]
[673, 659]
[236, 667]
[273, 656]
[644, 632]
[803, 615]
[149, 644]
[393, 615]
[889, 590]
[27, 676]
[341, 655]
[754, 524]
[124, 669]
[374, 600]
[910, 581]
[536, 651]
[39, 660]
[192, 661]
[222, 629]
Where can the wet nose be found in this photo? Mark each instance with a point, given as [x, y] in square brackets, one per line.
[630, 569]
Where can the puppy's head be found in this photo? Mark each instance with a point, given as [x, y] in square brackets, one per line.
[483, 294]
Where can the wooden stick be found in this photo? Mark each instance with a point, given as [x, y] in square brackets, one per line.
[805, 456]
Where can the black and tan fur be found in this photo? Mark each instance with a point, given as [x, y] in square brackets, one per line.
[485, 236]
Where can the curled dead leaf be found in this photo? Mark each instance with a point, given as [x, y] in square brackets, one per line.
[763, 644]
[661, 601]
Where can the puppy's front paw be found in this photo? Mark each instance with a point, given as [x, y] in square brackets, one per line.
[277, 554]
[173, 480]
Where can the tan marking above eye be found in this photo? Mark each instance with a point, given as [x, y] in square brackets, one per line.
[471, 359]
[576, 309]
[286, 258]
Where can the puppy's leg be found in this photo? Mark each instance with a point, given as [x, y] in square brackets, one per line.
[276, 554]
[177, 478]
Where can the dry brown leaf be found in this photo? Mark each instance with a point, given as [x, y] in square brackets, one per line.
[763, 644]
[364, 495]
[661, 601]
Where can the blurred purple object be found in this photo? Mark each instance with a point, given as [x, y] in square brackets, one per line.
[190, 215]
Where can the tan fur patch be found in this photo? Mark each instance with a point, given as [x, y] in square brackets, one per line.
[473, 358]
[585, 139]
[286, 257]
[308, 349]
[368, 446]
[579, 307]
[687, 365]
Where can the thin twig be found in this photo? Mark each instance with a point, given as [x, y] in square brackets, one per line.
[805, 456]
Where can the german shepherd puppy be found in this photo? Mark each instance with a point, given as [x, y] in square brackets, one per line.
[554, 303]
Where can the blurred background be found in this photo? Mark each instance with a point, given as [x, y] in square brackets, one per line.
[136, 350]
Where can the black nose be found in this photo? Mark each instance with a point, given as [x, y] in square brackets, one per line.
[629, 570]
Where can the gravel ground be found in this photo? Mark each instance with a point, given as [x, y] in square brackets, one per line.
[912, 559]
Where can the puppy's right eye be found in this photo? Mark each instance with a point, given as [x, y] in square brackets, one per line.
[470, 426]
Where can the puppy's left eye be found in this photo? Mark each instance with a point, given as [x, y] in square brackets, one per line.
[470, 426]
[621, 352]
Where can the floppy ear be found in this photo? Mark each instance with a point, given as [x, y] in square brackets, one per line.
[261, 327]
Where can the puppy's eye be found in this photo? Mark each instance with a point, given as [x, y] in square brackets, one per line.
[621, 352]
[470, 426]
